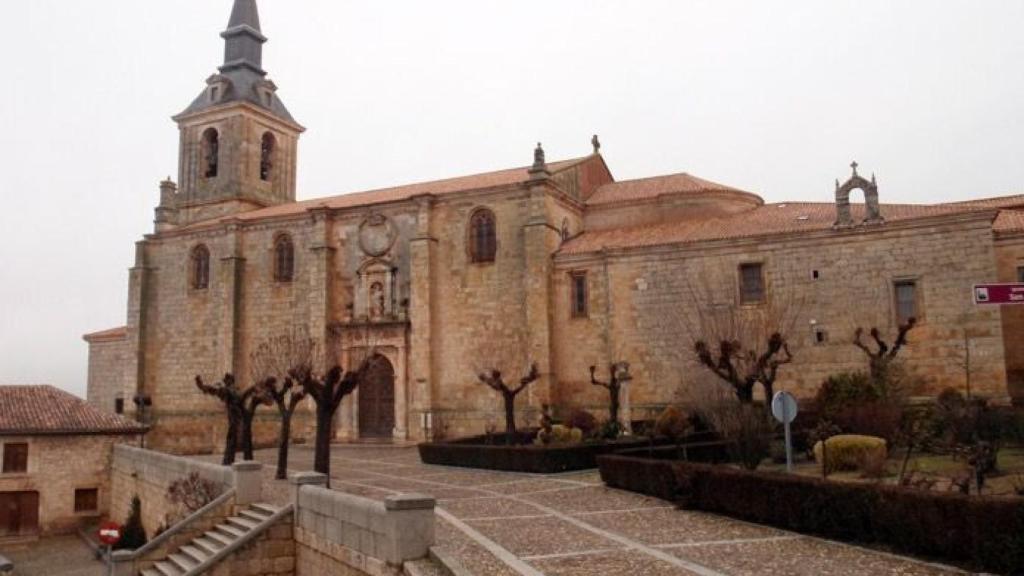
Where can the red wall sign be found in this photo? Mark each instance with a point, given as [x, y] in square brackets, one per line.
[109, 533]
[999, 294]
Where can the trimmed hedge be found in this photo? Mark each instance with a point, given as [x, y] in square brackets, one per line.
[492, 453]
[986, 532]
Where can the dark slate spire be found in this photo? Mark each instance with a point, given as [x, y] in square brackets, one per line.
[243, 40]
[241, 77]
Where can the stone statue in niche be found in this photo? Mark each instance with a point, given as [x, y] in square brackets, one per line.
[377, 303]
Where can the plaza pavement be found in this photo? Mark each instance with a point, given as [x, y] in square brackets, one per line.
[509, 524]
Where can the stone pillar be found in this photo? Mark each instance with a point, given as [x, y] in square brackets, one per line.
[422, 367]
[540, 242]
[138, 302]
[229, 303]
[409, 528]
[248, 483]
[305, 479]
[401, 395]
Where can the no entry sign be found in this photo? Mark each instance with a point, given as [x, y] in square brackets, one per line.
[995, 294]
[109, 533]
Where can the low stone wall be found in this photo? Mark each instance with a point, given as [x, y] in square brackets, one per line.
[148, 474]
[344, 534]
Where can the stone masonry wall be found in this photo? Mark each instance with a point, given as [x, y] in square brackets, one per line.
[107, 363]
[272, 553]
[59, 465]
[642, 306]
[1010, 258]
[148, 474]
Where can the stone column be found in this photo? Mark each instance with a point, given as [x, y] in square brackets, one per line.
[229, 304]
[409, 528]
[305, 479]
[401, 395]
[421, 371]
[540, 241]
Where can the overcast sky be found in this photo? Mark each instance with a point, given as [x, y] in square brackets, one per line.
[772, 97]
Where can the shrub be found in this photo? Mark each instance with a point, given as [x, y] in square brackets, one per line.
[672, 424]
[190, 494]
[873, 464]
[559, 434]
[845, 390]
[611, 430]
[747, 427]
[133, 534]
[583, 420]
[847, 451]
[871, 419]
[987, 532]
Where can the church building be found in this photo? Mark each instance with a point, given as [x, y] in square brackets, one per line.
[555, 263]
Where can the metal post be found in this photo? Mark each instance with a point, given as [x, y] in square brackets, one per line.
[789, 440]
[110, 560]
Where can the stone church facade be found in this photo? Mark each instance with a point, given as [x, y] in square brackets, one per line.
[556, 263]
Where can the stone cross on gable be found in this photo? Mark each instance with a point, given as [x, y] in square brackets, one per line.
[854, 165]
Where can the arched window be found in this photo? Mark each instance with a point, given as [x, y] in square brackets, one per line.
[284, 259]
[199, 273]
[210, 153]
[267, 148]
[483, 243]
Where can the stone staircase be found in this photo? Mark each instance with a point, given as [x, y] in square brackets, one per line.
[190, 557]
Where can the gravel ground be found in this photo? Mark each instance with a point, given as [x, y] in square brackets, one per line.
[507, 524]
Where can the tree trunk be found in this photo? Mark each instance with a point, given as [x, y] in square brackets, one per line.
[230, 442]
[247, 444]
[613, 407]
[322, 456]
[769, 393]
[283, 444]
[745, 393]
[510, 417]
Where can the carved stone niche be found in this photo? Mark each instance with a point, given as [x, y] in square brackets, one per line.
[873, 213]
[377, 292]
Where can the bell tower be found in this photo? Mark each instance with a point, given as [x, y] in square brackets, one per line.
[238, 142]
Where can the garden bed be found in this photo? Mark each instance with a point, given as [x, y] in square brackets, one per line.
[985, 532]
[492, 453]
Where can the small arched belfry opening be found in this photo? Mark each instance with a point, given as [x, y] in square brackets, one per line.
[199, 268]
[210, 152]
[268, 150]
[483, 237]
[872, 209]
[284, 258]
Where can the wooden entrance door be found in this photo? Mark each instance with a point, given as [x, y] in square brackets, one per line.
[377, 401]
[19, 513]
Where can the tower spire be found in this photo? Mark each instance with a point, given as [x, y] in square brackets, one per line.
[243, 39]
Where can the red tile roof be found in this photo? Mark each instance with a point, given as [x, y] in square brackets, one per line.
[399, 193]
[45, 410]
[649, 188]
[767, 220]
[119, 333]
[1009, 221]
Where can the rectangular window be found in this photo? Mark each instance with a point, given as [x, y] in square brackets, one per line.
[580, 295]
[751, 284]
[15, 458]
[119, 406]
[87, 500]
[906, 301]
[1020, 273]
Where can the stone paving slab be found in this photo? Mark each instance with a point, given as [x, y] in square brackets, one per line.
[490, 507]
[592, 499]
[540, 536]
[619, 563]
[657, 527]
[58, 556]
[802, 556]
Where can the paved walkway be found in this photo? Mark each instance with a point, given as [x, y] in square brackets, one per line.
[60, 556]
[508, 524]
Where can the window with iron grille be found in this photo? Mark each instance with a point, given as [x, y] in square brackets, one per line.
[15, 458]
[580, 295]
[907, 306]
[751, 284]
[284, 259]
[483, 241]
[87, 500]
[1020, 273]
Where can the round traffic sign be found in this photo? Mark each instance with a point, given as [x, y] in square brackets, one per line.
[784, 407]
[109, 533]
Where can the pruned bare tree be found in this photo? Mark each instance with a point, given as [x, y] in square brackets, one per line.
[742, 345]
[228, 393]
[272, 364]
[881, 359]
[618, 374]
[493, 379]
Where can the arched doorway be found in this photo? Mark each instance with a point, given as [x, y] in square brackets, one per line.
[377, 400]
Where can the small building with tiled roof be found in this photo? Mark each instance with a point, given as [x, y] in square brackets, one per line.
[56, 450]
[556, 263]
